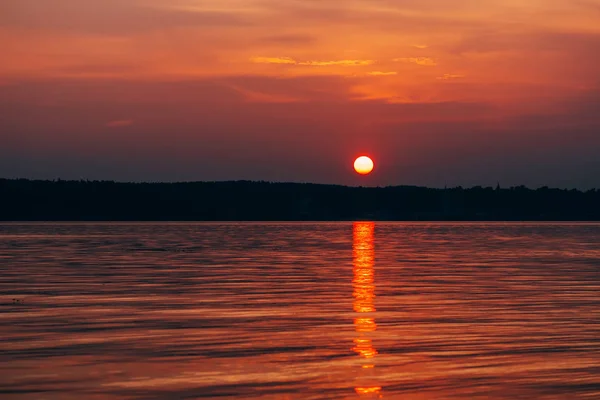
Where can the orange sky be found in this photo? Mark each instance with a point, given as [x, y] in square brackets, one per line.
[438, 92]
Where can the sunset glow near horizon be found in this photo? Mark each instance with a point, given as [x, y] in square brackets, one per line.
[447, 93]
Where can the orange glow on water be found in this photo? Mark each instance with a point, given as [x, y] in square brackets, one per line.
[365, 324]
[364, 347]
[494, 325]
[368, 390]
[363, 252]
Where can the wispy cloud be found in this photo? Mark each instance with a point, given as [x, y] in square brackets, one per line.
[273, 60]
[420, 46]
[345, 63]
[111, 17]
[446, 77]
[311, 63]
[261, 97]
[119, 123]
[381, 73]
[425, 61]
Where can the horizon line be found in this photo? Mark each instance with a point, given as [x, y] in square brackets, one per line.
[497, 187]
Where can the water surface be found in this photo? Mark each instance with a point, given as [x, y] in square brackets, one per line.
[300, 311]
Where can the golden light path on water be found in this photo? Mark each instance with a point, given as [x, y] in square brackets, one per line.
[363, 255]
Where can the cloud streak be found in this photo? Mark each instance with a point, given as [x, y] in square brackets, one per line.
[110, 17]
[311, 63]
[343, 63]
[382, 73]
[273, 60]
[447, 77]
[425, 61]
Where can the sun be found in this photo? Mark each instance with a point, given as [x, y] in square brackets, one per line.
[363, 165]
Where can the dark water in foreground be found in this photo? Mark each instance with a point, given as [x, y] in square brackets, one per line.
[300, 311]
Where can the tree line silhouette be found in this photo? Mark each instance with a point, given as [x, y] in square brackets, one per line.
[60, 200]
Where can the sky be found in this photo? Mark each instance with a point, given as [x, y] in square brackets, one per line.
[437, 92]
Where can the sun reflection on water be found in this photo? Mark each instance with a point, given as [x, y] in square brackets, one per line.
[363, 252]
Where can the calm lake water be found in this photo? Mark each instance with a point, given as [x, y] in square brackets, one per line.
[300, 311]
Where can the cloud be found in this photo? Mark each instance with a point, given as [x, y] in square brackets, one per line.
[93, 70]
[273, 60]
[370, 15]
[109, 17]
[446, 77]
[119, 123]
[425, 61]
[420, 46]
[381, 73]
[496, 40]
[313, 63]
[345, 63]
[305, 89]
[256, 96]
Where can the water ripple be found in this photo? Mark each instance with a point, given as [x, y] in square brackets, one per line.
[300, 311]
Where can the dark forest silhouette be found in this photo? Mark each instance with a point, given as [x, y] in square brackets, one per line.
[34, 200]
